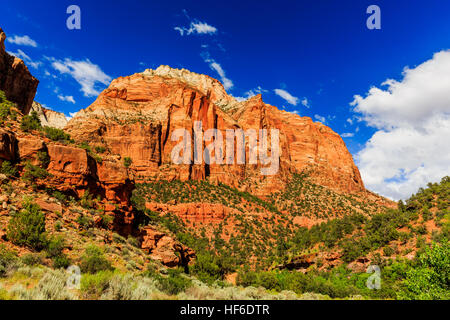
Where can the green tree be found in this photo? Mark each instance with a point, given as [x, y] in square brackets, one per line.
[127, 162]
[94, 260]
[27, 227]
[30, 122]
[430, 278]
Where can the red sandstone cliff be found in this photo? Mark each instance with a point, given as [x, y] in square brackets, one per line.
[136, 116]
[15, 79]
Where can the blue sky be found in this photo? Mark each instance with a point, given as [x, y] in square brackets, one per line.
[319, 52]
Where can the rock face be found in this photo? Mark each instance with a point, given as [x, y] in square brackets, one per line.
[165, 249]
[15, 79]
[204, 213]
[48, 117]
[136, 116]
[8, 145]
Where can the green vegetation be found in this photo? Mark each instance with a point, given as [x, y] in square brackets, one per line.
[8, 169]
[27, 227]
[100, 149]
[127, 162]
[429, 277]
[57, 135]
[7, 259]
[7, 110]
[198, 191]
[94, 260]
[87, 147]
[55, 251]
[33, 173]
[357, 234]
[31, 122]
[173, 283]
[43, 158]
[301, 197]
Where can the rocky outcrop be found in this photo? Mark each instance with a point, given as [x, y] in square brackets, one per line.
[49, 117]
[8, 146]
[70, 166]
[15, 79]
[165, 249]
[28, 147]
[136, 116]
[194, 212]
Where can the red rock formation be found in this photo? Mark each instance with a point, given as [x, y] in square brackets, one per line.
[136, 116]
[28, 147]
[15, 79]
[164, 248]
[194, 212]
[69, 166]
[8, 145]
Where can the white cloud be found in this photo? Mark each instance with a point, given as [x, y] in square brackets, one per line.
[28, 61]
[412, 116]
[252, 93]
[22, 41]
[347, 135]
[196, 27]
[70, 116]
[255, 91]
[87, 74]
[320, 118]
[350, 121]
[227, 83]
[287, 96]
[66, 98]
[305, 102]
[421, 94]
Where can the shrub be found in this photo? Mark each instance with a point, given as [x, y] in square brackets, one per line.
[56, 134]
[52, 286]
[33, 173]
[430, 278]
[61, 262]
[93, 285]
[27, 227]
[85, 146]
[8, 169]
[100, 149]
[127, 162]
[388, 251]
[30, 122]
[5, 108]
[7, 259]
[61, 197]
[94, 260]
[84, 221]
[86, 200]
[55, 246]
[32, 259]
[106, 220]
[207, 268]
[133, 241]
[43, 158]
[174, 283]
